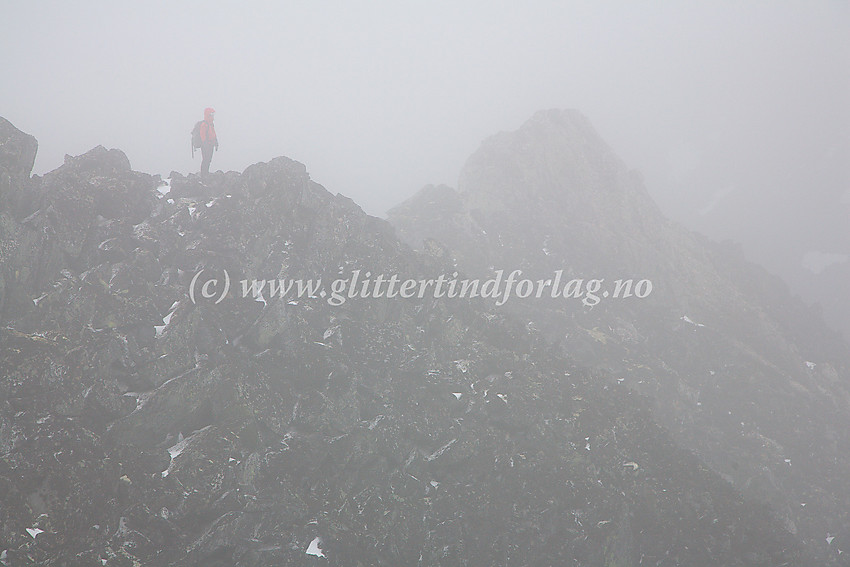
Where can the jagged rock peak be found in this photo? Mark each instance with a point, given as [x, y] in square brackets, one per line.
[569, 120]
[556, 157]
[17, 157]
[17, 150]
[553, 175]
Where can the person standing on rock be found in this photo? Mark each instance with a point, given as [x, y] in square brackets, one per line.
[209, 141]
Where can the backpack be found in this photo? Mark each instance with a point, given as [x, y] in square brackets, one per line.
[196, 136]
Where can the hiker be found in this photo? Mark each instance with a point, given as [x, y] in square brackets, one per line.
[204, 137]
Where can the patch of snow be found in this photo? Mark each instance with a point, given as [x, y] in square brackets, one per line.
[829, 539]
[160, 329]
[315, 547]
[36, 300]
[164, 188]
[140, 399]
[192, 210]
[177, 449]
[122, 528]
[34, 532]
[810, 365]
[463, 365]
[688, 320]
[170, 201]
[440, 451]
[457, 395]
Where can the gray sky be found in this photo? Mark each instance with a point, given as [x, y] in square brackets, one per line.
[736, 113]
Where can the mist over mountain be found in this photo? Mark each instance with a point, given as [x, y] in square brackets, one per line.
[159, 406]
[732, 360]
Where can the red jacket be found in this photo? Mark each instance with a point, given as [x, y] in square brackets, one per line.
[207, 129]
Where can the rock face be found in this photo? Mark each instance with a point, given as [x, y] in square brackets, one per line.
[149, 417]
[737, 370]
[17, 156]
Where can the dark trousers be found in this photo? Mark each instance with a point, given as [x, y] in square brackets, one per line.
[206, 157]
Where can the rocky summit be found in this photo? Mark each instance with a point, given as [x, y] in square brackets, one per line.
[182, 382]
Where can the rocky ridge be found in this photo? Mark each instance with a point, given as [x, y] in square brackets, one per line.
[139, 427]
[739, 371]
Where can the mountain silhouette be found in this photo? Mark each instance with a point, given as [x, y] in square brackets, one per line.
[155, 410]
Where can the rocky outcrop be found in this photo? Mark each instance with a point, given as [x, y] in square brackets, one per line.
[17, 157]
[142, 423]
[739, 371]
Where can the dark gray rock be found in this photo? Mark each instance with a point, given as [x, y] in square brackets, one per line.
[142, 428]
[17, 157]
[738, 370]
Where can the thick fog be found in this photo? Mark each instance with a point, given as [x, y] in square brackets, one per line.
[737, 115]
[247, 370]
